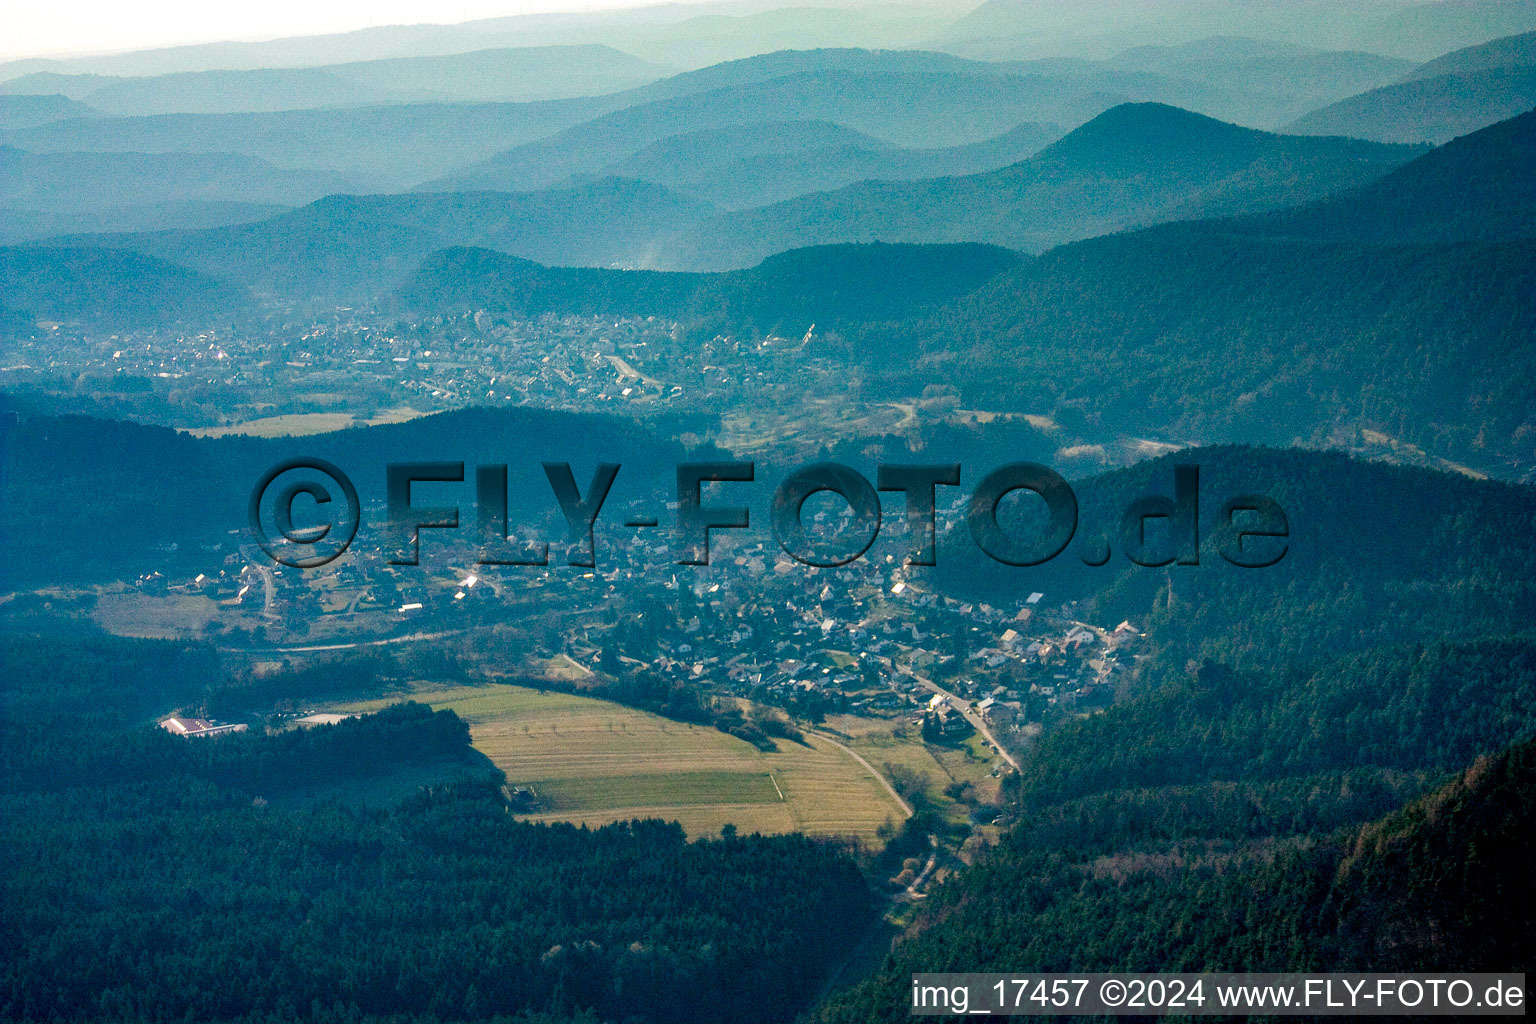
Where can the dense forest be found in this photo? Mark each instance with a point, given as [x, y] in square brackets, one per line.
[1439, 555]
[168, 878]
[1442, 884]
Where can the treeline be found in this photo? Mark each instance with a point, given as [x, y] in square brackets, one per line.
[41, 759]
[95, 681]
[648, 690]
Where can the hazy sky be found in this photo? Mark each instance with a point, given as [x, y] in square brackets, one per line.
[35, 28]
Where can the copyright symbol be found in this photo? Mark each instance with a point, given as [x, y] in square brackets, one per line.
[1112, 992]
[310, 546]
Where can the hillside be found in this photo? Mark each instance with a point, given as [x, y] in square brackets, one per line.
[111, 515]
[1412, 288]
[784, 294]
[756, 164]
[1475, 188]
[1507, 51]
[71, 191]
[1440, 885]
[1133, 165]
[362, 246]
[1429, 109]
[1186, 333]
[108, 287]
[1376, 556]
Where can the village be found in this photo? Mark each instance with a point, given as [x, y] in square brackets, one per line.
[875, 639]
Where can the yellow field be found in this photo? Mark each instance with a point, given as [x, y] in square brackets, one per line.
[301, 424]
[593, 762]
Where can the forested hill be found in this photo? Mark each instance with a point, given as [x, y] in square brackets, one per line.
[347, 246]
[1185, 332]
[785, 294]
[1241, 807]
[1476, 188]
[109, 287]
[1375, 556]
[100, 493]
[1441, 885]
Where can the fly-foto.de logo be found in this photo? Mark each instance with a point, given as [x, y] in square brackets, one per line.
[1249, 530]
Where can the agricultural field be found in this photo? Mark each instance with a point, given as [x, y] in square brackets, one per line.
[303, 424]
[884, 742]
[592, 762]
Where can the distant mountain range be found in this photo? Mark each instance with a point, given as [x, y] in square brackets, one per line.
[380, 147]
[757, 164]
[1001, 29]
[357, 247]
[1134, 165]
[1250, 328]
[358, 124]
[674, 35]
[31, 111]
[44, 194]
[914, 108]
[1449, 96]
[517, 74]
[1137, 164]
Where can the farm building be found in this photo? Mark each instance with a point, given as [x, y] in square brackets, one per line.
[198, 726]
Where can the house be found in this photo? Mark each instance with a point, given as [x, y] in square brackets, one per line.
[945, 723]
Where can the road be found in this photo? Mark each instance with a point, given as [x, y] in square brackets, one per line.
[254, 558]
[915, 890]
[964, 707]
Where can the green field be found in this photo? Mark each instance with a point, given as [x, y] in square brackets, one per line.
[593, 762]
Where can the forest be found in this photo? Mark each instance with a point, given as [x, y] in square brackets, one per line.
[443, 906]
